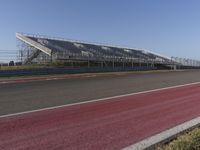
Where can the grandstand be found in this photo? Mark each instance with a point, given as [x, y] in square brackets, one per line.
[42, 49]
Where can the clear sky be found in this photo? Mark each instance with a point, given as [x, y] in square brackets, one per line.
[168, 27]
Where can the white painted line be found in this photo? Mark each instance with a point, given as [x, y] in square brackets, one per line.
[146, 143]
[96, 100]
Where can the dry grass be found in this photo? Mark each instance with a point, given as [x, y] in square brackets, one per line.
[187, 141]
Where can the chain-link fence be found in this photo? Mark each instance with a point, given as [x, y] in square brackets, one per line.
[8, 57]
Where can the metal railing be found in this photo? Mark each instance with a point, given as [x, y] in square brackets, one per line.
[186, 61]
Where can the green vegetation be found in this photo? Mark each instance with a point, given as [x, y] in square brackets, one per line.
[187, 141]
[21, 67]
[53, 64]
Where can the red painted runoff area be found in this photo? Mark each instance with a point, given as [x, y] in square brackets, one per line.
[110, 124]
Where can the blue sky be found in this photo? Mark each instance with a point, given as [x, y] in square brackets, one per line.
[170, 27]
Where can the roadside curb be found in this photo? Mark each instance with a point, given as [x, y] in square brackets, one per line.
[165, 136]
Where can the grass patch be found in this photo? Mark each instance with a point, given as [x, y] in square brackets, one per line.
[21, 67]
[188, 141]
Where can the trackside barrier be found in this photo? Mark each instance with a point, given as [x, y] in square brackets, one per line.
[46, 71]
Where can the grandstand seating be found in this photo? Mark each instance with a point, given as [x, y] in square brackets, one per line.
[65, 49]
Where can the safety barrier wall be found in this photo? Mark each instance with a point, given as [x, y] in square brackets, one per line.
[46, 71]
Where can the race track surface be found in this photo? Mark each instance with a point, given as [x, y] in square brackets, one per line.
[19, 97]
[110, 124]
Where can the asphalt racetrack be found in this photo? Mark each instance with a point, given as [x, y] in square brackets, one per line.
[20, 97]
[114, 123]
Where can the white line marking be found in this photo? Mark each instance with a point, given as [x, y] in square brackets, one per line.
[151, 141]
[101, 99]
